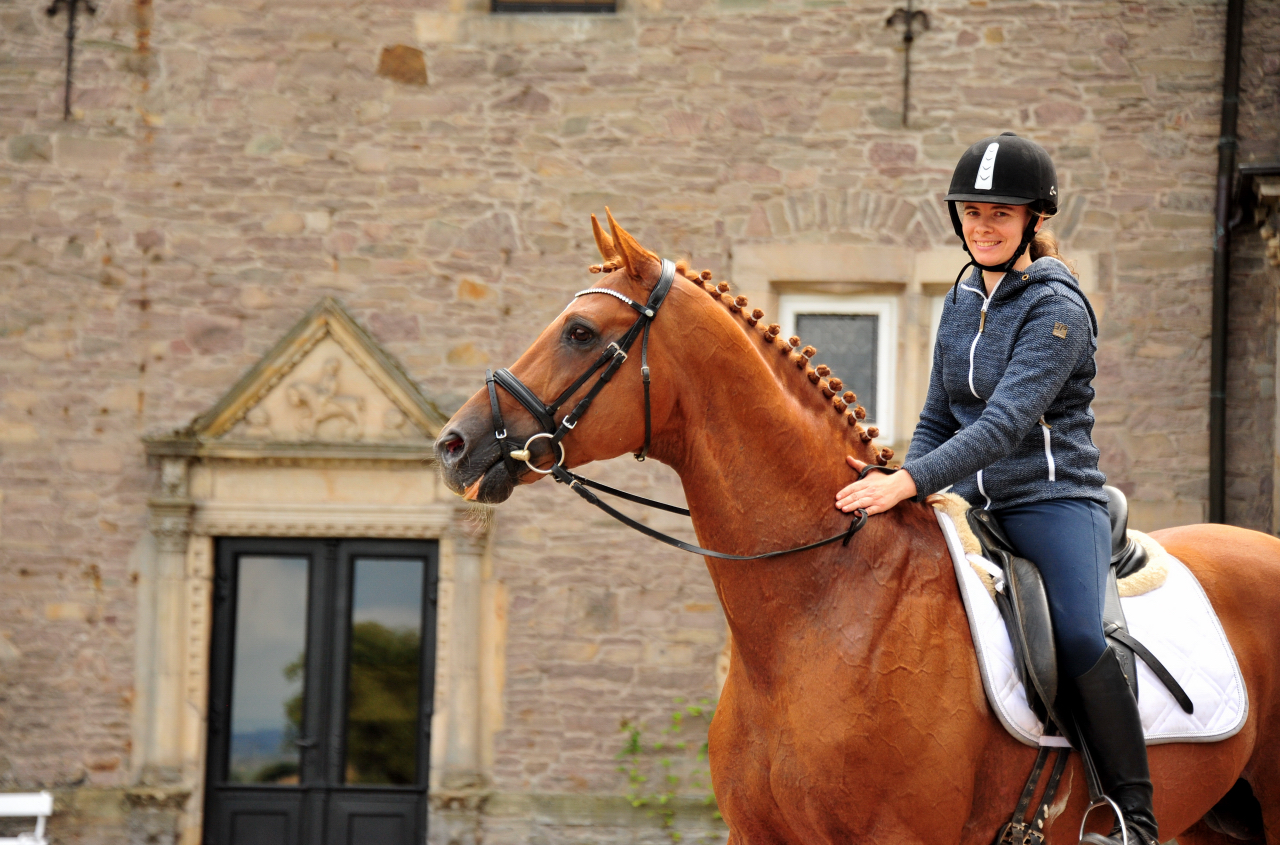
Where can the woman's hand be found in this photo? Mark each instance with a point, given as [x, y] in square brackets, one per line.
[877, 492]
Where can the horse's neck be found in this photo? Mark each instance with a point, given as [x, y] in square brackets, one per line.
[761, 460]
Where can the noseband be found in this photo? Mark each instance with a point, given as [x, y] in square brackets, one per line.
[610, 360]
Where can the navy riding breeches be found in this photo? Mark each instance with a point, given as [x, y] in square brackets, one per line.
[1069, 540]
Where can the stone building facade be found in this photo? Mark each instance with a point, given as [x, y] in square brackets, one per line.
[406, 188]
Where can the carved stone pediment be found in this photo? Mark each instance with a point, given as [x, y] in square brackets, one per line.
[326, 388]
[325, 397]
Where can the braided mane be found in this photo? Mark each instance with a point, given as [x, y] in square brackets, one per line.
[789, 350]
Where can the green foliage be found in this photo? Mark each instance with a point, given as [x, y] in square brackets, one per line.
[674, 764]
[382, 704]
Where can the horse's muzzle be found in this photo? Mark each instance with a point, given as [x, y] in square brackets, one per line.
[471, 463]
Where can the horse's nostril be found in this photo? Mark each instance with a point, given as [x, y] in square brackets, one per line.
[452, 446]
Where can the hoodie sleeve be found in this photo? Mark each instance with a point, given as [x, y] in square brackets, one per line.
[1044, 357]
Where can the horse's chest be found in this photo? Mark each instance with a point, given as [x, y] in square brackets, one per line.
[866, 726]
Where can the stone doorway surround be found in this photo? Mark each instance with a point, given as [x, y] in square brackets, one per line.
[325, 437]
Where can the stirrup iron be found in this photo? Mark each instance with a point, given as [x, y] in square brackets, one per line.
[1096, 838]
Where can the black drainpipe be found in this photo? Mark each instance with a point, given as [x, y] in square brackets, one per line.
[1227, 144]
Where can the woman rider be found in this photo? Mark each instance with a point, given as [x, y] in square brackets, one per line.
[1007, 424]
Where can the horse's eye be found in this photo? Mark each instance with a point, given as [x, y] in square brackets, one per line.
[581, 334]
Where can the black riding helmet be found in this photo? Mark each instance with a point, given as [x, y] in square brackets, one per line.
[1004, 169]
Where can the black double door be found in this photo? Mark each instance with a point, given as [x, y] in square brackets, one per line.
[321, 678]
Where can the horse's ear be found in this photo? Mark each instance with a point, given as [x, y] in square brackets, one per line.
[604, 243]
[640, 262]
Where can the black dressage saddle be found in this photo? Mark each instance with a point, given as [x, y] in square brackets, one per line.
[1025, 609]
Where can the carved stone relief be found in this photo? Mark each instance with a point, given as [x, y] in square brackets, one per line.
[326, 397]
[321, 401]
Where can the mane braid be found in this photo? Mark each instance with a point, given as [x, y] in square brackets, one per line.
[842, 402]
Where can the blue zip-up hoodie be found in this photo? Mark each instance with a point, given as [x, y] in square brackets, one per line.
[1007, 418]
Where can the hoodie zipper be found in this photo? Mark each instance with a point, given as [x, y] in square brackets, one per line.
[982, 325]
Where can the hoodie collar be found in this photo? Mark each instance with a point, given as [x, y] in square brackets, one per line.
[1015, 281]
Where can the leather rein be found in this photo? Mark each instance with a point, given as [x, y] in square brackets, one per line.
[607, 364]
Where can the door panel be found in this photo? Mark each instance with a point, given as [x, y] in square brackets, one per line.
[257, 818]
[261, 828]
[320, 692]
[374, 818]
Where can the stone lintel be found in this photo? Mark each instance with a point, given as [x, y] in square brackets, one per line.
[548, 808]
[324, 520]
[180, 445]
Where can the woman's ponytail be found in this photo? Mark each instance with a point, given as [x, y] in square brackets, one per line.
[1045, 245]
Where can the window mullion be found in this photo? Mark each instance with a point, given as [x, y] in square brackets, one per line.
[338, 670]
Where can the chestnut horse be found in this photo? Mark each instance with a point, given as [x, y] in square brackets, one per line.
[853, 709]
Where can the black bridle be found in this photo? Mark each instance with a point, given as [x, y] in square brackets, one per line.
[613, 356]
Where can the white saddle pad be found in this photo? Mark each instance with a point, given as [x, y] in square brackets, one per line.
[1175, 621]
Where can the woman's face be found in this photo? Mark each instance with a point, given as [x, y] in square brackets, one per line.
[993, 231]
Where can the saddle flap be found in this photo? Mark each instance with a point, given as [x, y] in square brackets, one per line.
[1026, 614]
[1035, 628]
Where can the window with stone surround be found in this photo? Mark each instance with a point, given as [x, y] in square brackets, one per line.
[857, 337]
[553, 6]
[847, 293]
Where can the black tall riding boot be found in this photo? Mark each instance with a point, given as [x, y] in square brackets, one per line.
[1112, 730]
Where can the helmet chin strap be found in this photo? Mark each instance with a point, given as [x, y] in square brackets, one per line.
[1028, 234]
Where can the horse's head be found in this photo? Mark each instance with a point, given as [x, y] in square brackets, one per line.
[587, 333]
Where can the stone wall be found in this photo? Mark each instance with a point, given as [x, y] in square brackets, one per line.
[231, 162]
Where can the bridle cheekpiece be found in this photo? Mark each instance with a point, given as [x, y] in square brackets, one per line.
[613, 356]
